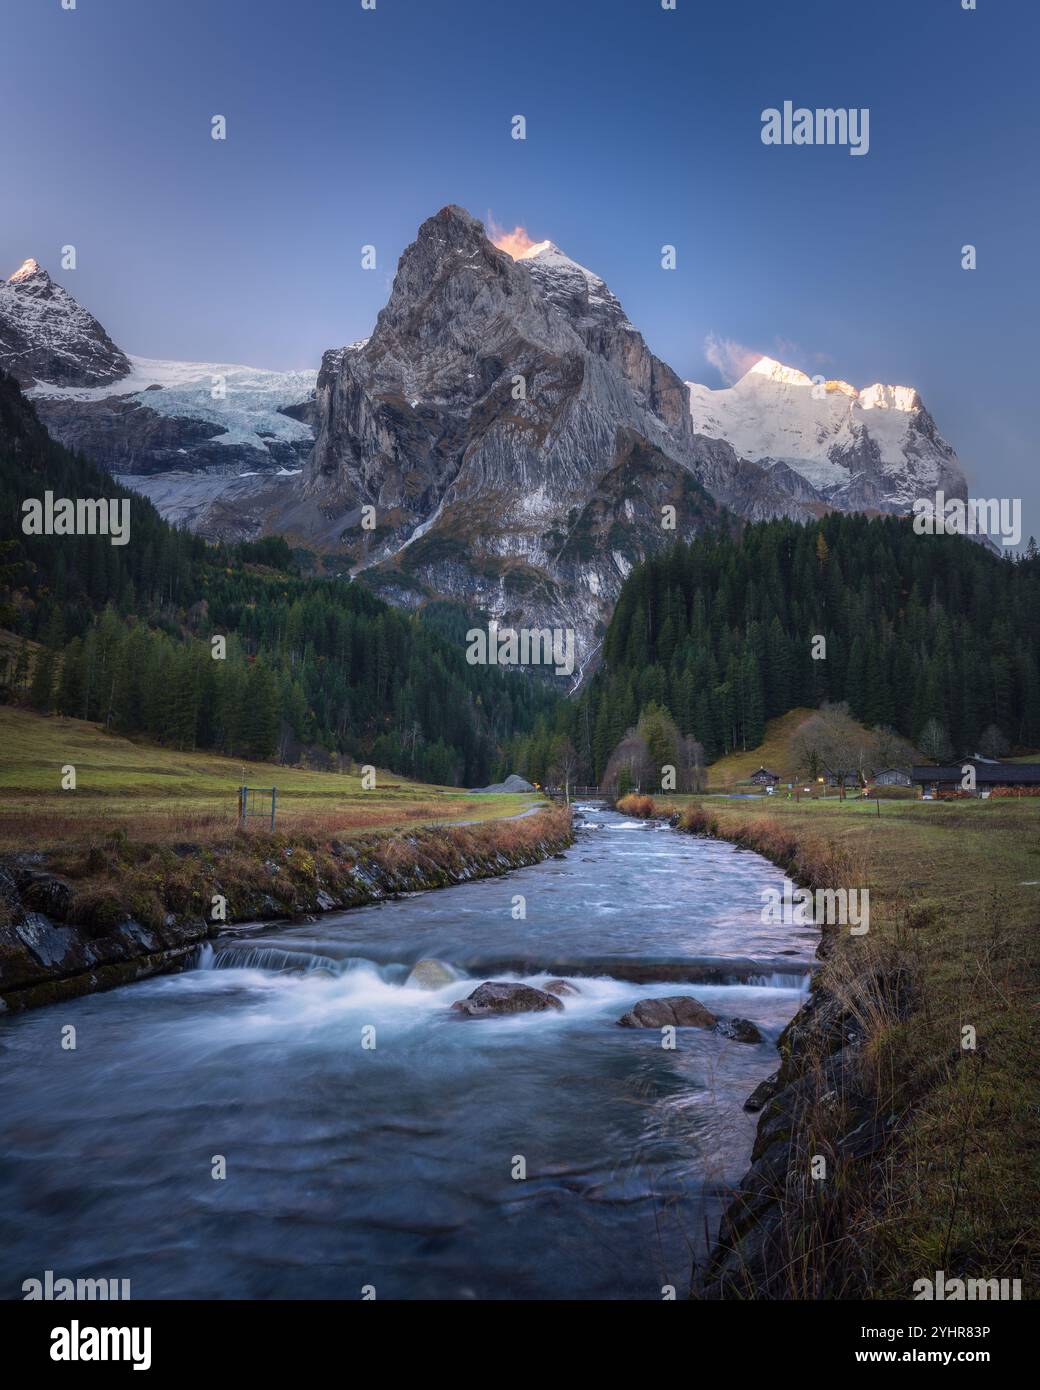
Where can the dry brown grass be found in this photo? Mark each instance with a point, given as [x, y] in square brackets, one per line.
[264, 874]
[820, 860]
[48, 827]
[164, 795]
[635, 805]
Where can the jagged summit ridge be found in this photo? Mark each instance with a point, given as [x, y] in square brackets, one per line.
[26, 270]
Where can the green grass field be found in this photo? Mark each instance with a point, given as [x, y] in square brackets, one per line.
[159, 793]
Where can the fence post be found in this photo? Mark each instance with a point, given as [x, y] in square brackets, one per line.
[243, 793]
[274, 798]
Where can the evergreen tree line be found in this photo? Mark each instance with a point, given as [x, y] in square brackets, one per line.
[918, 631]
[126, 635]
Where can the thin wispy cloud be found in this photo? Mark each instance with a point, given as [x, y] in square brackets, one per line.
[731, 359]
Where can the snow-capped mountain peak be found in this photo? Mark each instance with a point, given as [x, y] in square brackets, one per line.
[572, 288]
[46, 336]
[535, 249]
[776, 371]
[138, 415]
[874, 448]
[26, 270]
[548, 256]
[879, 397]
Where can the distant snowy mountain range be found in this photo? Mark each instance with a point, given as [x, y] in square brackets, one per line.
[532, 501]
[873, 449]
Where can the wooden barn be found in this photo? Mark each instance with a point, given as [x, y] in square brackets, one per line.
[764, 778]
[892, 777]
[988, 776]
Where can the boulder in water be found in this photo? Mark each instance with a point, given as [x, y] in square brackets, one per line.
[675, 1010]
[739, 1029]
[563, 987]
[430, 974]
[495, 997]
[763, 1093]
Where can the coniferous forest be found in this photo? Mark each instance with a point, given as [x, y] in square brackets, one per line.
[127, 631]
[721, 631]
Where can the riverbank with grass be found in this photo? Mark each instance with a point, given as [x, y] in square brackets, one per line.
[145, 859]
[913, 1070]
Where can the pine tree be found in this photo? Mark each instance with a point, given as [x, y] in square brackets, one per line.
[41, 690]
[73, 682]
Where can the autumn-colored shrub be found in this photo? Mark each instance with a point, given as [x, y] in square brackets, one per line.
[635, 805]
[696, 821]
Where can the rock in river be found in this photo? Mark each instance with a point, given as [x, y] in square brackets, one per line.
[430, 974]
[763, 1092]
[739, 1029]
[561, 987]
[676, 1010]
[495, 997]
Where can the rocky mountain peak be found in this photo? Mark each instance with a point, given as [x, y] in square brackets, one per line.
[454, 291]
[515, 435]
[28, 270]
[45, 336]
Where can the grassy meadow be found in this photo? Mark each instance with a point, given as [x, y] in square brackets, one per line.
[161, 794]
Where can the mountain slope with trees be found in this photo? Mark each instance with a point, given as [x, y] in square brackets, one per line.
[932, 637]
[126, 633]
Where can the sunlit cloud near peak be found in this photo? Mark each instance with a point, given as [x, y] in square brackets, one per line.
[516, 243]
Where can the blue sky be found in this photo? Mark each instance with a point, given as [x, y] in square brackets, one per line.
[348, 127]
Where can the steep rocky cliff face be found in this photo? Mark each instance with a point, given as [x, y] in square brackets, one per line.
[515, 435]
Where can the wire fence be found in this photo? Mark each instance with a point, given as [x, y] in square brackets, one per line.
[257, 803]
